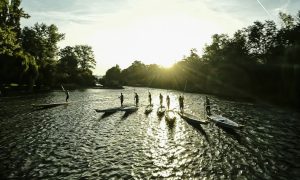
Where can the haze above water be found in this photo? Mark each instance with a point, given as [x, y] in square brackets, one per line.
[74, 141]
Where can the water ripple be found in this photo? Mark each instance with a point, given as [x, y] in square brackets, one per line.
[72, 142]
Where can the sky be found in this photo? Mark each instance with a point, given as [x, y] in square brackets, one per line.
[152, 31]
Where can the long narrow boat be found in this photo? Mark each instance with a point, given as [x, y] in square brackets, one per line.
[48, 105]
[109, 110]
[161, 110]
[129, 109]
[225, 122]
[191, 118]
[170, 115]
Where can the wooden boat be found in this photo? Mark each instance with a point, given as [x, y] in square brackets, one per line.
[223, 121]
[109, 110]
[161, 110]
[129, 109]
[48, 105]
[191, 118]
[170, 115]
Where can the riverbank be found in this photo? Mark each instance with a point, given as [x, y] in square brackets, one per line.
[236, 95]
[16, 90]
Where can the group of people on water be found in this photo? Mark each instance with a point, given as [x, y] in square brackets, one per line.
[180, 99]
[136, 99]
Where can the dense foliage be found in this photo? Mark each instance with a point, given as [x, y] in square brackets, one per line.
[260, 61]
[30, 56]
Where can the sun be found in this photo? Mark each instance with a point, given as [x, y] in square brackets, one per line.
[167, 64]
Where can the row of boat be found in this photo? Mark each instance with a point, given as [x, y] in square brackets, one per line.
[171, 115]
[161, 111]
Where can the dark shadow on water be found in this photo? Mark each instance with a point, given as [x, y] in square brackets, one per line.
[170, 124]
[147, 113]
[198, 128]
[48, 107]
[160, 117]
[126, 114]
[106, 114]
[43, 108]
[232, 132]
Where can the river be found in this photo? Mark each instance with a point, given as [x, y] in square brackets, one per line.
[74, 141]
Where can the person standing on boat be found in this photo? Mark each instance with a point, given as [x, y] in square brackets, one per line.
[150, 98]
[122, 99]
[207, 106]
[168, 101]
[181, 103]
[67, 95]
[136, 97]
[161, 99]
[66, 92]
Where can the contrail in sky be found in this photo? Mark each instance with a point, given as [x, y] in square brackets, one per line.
[264, 8]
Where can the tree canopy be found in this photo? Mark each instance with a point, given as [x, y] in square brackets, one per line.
[260, 61]
[31, 56]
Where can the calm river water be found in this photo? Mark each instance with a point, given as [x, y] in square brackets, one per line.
[74, 141]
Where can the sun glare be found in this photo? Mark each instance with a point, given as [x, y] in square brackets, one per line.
[161, 40]
[167, 64]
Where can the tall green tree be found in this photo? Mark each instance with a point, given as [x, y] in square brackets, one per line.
[16, 66]
[11, 14]
[75, 65]
[86, 59]
[41, 42]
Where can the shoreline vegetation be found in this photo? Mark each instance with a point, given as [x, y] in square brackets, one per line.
[259, 62]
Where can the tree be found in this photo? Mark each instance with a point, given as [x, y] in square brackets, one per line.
[11, 14]
[41, 42]
[16, 65]
[85, 56]
[76, 64]
[112, 77]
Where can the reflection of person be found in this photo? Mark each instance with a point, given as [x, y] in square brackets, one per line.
[207, 106]
[136, 97]
[168, 101]
[160, 99]
[150, 98]
[121, 99]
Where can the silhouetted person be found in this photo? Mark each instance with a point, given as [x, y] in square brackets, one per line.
[168, 101]
[207, 106]
[66, 92]
[150, 98]
[160, 99]
[67, 95]
[121, 99]
[136, 97]
[181, 103]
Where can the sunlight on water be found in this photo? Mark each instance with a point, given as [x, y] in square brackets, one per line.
[74, 141]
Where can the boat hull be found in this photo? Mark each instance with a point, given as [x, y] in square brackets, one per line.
[225, 122]
[192, 118]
